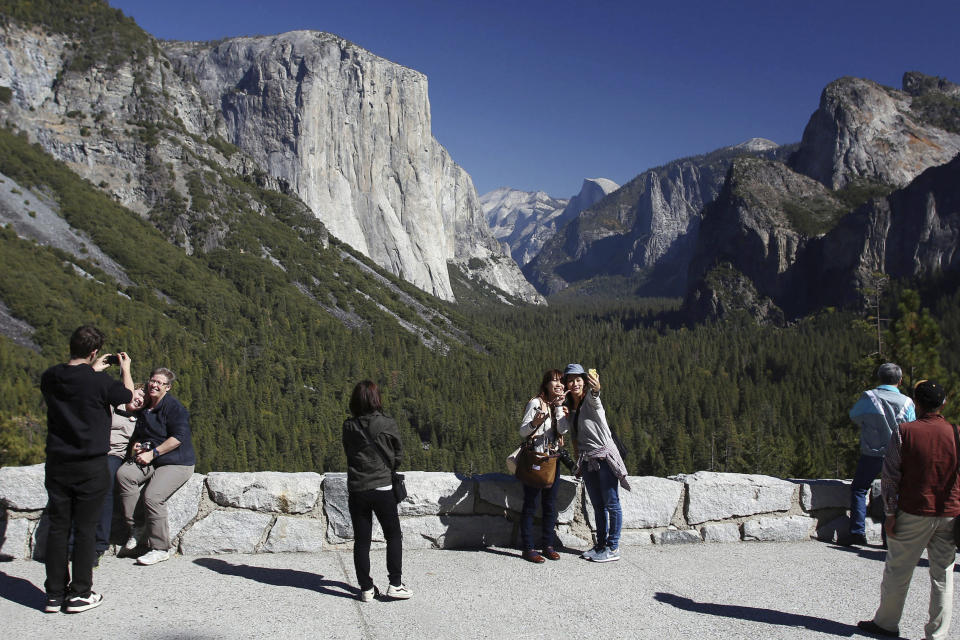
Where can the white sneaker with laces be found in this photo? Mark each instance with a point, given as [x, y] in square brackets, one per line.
[153, 557]
[399, 593]
[369, 594]
[130, 544]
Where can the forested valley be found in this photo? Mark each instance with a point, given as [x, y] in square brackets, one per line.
[266, 370]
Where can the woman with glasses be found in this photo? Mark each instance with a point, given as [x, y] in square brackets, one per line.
[163, 460]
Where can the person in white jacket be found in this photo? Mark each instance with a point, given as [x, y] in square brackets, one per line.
[544, 420]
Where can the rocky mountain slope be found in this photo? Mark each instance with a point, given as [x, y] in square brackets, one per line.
[306, 113]
[524, 221]
[645, 230]
[866, 131]
[782, 244]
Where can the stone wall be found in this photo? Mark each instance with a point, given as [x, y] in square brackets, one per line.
[271, 512]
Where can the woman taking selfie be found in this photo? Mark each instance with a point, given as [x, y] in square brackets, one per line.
[598, 461]
[371, 441]
[544, 423]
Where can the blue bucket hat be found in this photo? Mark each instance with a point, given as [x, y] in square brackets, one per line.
[574, 369]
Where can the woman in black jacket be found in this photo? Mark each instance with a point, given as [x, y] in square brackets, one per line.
[371, 441]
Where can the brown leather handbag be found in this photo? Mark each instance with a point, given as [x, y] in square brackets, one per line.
[536, 469]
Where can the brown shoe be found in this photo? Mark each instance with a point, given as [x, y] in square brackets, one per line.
[532, 556]
[550, 553]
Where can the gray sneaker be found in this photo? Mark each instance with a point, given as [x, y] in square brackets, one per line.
[608, 555]
[591, 554]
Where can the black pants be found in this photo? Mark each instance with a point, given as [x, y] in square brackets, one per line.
[363, 505]
[75, 492]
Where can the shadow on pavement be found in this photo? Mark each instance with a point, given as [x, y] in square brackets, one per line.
[20, 591]
[499, 552]
[757, 614]
[280, 577]
[877, 553]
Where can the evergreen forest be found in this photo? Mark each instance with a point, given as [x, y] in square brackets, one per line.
[266, 369]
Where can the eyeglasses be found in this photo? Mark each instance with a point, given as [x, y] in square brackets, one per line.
[161, 383]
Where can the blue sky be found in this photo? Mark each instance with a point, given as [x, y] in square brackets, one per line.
[537, 94]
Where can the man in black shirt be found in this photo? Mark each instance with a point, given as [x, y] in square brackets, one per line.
[78, 396]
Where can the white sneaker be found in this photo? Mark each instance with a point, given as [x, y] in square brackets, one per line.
[591, 554]
[76, 604]
[130, 544]
[369, 594]
[399, 593]
[608, 555]
[153, 557]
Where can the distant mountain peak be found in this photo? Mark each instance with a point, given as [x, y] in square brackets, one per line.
[756, 144]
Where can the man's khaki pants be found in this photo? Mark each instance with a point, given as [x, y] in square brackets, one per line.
[162, 482]
[913, 535]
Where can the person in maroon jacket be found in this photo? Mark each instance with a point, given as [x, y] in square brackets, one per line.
[921, 500]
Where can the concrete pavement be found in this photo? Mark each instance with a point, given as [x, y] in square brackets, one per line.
[745, 590]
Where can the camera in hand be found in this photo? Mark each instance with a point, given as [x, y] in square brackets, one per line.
[565, 458]
[113, 358]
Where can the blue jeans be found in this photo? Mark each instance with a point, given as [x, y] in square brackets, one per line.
[548, 521]
[604, 491]
[868, 468]
[106, 515]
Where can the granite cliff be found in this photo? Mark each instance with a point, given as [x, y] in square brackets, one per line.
[646, 230]
[524, 221]
[871, 188]
[306, 113]
[866, 131]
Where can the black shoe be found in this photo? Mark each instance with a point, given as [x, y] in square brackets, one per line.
[854, 540]
[54, 604]
[872, 627]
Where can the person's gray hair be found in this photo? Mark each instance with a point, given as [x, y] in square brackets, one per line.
[166, 373]
[889, 373]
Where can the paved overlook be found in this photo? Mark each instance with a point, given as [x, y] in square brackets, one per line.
[749, 590]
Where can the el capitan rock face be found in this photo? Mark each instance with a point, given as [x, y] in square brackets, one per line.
[306, 113]
[350, 133]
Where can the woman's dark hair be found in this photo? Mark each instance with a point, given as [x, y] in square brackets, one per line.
[549, 376]
[365, 398]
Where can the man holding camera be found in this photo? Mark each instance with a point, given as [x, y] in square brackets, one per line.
[78, 395]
